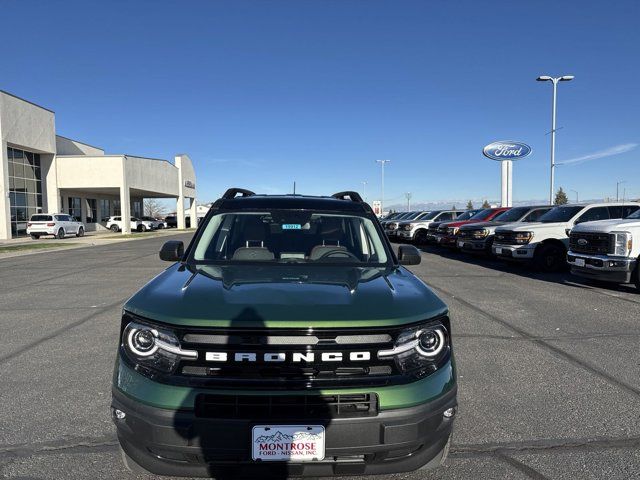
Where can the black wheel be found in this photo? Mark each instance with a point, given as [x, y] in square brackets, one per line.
[141, 228]
[34, 236]
[420, 238]
[60, 234]
[160, 226]
[80, 232]
[550, 258]
[114, 228]
[636, 275]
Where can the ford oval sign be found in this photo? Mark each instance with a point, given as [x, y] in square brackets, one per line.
[506, 150]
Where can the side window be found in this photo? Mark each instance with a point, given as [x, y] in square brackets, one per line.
[445, 216]
[628, 210]
[116, 219]
[58, 218]
[593, 214]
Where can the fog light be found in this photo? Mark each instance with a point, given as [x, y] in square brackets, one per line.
[449, 412]
[120, 415]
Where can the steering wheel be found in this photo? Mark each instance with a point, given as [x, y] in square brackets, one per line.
[337, 253]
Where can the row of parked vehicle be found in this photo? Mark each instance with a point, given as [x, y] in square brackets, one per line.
[60, 225]
[594, 240]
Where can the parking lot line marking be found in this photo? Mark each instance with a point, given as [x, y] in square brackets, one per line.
[558, 352]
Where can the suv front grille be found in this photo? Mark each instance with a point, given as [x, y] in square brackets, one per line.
[591, 243]
[286, 406]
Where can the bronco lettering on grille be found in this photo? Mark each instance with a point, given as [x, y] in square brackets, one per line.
[296, 357]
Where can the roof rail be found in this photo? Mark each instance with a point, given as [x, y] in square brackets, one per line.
[233, 193]
[348, 195]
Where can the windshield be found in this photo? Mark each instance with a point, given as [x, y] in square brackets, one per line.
[411, 215]
[290, 236]
[560, 214]
[467, 215]
[481, 215]
[512, 215]
[426, 216]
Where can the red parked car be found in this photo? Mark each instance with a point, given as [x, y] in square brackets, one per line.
[448, 232]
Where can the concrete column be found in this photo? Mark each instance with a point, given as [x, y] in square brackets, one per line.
[507, 183]
[193, 213]
[125, 199]
[5, 211]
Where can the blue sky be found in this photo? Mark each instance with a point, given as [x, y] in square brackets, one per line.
[261, 93]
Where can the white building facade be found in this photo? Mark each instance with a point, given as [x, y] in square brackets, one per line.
[41, 172]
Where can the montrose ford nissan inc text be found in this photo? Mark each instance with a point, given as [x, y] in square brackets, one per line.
[290, 336]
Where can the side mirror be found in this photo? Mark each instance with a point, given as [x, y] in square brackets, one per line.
[172, 251]
[408, 255]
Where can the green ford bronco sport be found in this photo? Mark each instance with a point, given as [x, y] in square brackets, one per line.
[286, 338]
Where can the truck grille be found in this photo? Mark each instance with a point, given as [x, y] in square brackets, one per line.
[286, 406]
[468, 233]
[286, 359]
[591, 243]
[506, 238]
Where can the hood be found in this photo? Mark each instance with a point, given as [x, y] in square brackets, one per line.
[606, 226]
[285, 296]
[472, 226]
[531, 226]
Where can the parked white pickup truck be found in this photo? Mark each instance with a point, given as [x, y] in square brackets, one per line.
[546, 241]
[608, 250]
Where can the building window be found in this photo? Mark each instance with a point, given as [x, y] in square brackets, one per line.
[92, 212]
[105, 210]
[116, 208]
[25, 188]
[75, 207]
[137, 208]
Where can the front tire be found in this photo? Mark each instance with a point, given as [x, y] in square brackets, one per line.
[80, 232]
[550, 258]
[141, 228]
[420, 238]
[636, 275]
[34, 236]
[114, 228]
[60, 234]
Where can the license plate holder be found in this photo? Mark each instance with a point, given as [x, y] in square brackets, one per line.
[287, 443]
[498, 251]
[580, 262]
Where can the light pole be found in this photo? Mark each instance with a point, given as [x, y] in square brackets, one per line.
[364, 190]
[576, 192]
[554, 80]
[382, 163]
[618, 189]
[408, 197]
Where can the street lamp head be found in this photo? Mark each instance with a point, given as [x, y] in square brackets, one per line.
[566, 78]
[544, 78]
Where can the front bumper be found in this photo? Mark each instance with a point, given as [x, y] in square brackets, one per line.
[408, 431]
[474, 244]
[406, 234]
[177, 443]
[602, 267]
[514, 252]
[449, 241]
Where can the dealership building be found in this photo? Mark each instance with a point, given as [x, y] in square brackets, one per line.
[41, 172]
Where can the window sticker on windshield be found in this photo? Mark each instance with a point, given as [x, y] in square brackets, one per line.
[291, 226]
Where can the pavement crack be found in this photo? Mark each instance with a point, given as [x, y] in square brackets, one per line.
[69, 446]
[518, 465]
[558, 352]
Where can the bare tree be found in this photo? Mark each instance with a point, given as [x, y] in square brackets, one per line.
[154, 208]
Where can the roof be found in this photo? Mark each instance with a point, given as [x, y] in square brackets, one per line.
[304, 202]
[26, 101]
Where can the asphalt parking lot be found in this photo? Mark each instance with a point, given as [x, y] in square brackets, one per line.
[548, 366]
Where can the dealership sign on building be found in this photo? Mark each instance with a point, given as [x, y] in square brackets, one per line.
[506, 150]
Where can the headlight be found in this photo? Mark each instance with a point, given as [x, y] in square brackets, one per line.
[523, 237]
[623, 244]
[420, 350]
[452, 230]
[484, 233]
[407, 227]
[153, 347]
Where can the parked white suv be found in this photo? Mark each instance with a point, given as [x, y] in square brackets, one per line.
[115, 224]
[608, 250]
[57, 224]
[152, 223]
[546, 241]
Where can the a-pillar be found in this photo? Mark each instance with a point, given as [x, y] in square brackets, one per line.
[193, 213]
[507, 183]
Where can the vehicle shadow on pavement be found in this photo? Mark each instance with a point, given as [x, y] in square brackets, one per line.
[527, 270]
[225, 422]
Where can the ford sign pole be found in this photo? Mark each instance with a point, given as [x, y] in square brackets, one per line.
[554, 80]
